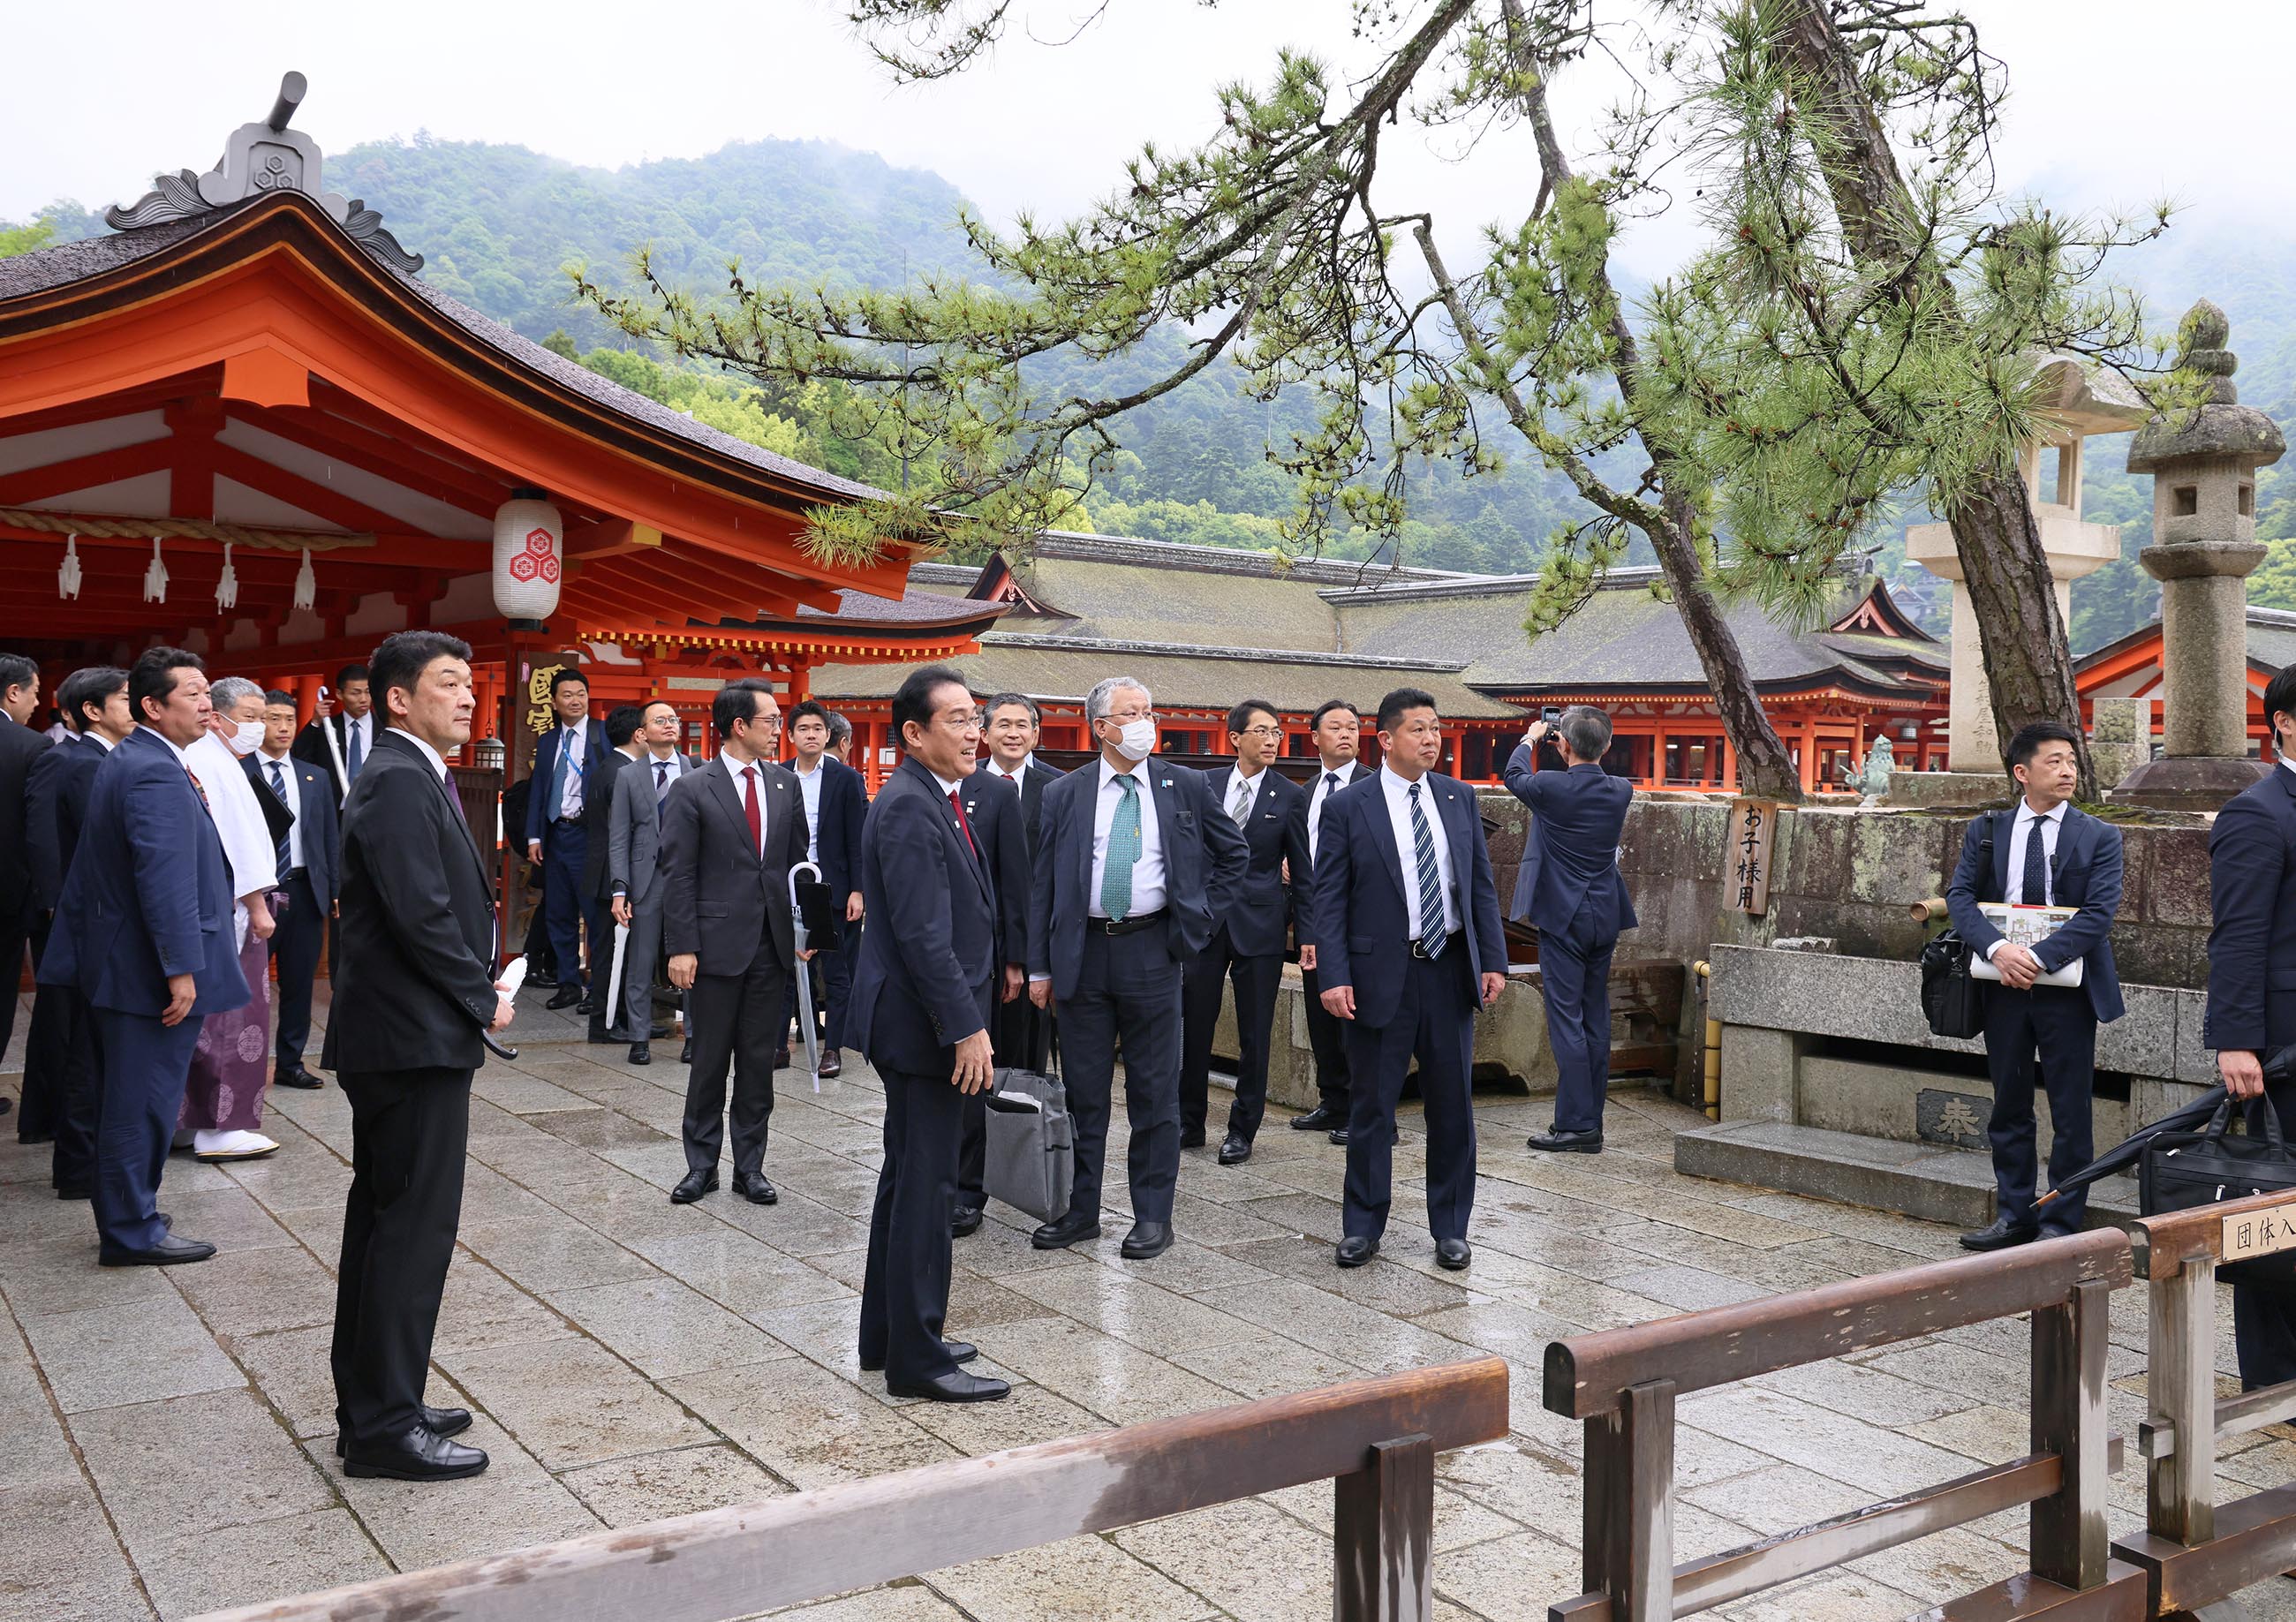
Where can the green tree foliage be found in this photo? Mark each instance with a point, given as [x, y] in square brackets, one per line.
[22, 239]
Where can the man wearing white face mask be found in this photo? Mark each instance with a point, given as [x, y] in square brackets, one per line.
[223, 1100]
[1136, 861]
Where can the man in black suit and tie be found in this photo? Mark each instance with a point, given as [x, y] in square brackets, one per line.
[993, 815]
[348, 715]
[835, 800]
[1337, 729]
[921, 998]
[60, 1064]
[2251, 1007]
[19, 746]
[1138, 864]
[1571, 890]
[571, 776]
[2048, 852]
[634, 867]
[621, 729]
[730, 833]
[414, 996]
[306, 897]
[1409, 945]
[1011, 724]
[144, 932]
[1249, 941]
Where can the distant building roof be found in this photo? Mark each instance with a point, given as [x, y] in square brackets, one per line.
[2271, 649]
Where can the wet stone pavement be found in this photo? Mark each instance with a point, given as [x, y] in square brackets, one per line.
[169, 1431]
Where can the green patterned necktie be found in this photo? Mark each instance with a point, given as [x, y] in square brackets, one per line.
[1123, 851]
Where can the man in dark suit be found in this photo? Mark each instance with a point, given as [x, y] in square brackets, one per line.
[2048, 852]
[633, 868]
[1249, 939]
[2251, 1007]
[992, 811]
[921, 998]
[339, 740]
[19, 746]
[730, 833]
[1337, 729]
[415, 995]
[1138, 864]
[1571, 891]
[1022, 1031]
[1409, 947]
[621, 728]
[835, 800]
[62, 1070]
[144, 932]
[308, 853]
[571, 777]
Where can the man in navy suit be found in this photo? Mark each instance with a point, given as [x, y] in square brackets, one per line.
[993, 811]
[1139, 863]
[1409, 947]
[144, 931]
[1249, 941]
[1337, 729]
[835, 801]
[570, 775]
[921, 1000]
[2251, 1007]
[1570, 889]
[306, 898]
[2047, 852]
[1012, 724]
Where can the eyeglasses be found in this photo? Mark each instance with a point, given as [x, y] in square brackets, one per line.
[1124, 717]
[1262, 732]
[960, 720]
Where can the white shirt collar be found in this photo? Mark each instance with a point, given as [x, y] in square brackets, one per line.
[948, 786]
[1138, 771]
[173, 747]
[1027, 760]
[108, 745]
[1346, 770]
[801, 771]
[267, 757]
[437, 761]
[1240, 775]
[2055, 814]
[1395, 781]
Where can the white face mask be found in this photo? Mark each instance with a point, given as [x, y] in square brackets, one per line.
[246, 737]
[1137, 740]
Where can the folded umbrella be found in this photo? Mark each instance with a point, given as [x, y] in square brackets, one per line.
[2127, 1153]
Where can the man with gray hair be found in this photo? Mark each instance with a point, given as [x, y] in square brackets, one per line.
[1139, 861]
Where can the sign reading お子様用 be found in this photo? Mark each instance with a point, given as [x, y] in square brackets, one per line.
[2254, 1234]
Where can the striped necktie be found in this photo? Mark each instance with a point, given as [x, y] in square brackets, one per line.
[279, 788]
[1432, 934]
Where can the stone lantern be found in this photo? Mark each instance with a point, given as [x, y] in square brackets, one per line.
[2204, 464]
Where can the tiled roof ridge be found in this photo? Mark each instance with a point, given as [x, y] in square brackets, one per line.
[1285, 656]
[1072, 546]
[1636, 578]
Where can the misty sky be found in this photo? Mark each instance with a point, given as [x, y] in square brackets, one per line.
[2111, 108]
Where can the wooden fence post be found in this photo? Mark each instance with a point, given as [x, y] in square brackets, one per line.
[1628, 1504]
[2068, 1537]
[1383, 1535]
[2182, 1387]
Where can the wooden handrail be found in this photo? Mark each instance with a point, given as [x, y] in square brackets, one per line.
[1377, 1437]
[2160, 1245]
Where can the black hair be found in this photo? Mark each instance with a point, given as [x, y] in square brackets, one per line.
[153, 676]
[352, 673]
[913, 700]
[809, 707]
[15, 670]
[840, 729]
[650, 703]
[1393, 707]
[403, 657]
[737, 702]
[86, 690]
[2029, 739]
[275, 696]
[622, 723]
[990, 709]
[563, 675]
[2279, 698]
[1240, 715]
[1327, 706]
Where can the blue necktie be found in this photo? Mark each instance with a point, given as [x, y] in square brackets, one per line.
[353, 755]
[279, 788]
[660, 789]
[1430, 879]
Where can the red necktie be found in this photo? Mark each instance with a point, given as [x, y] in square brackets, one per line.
[197, 787]
[963, 826]
[750, 809]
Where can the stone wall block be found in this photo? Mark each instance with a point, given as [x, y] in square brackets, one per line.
[2176, 888]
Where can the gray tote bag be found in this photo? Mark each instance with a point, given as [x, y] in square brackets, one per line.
[1030, 1160]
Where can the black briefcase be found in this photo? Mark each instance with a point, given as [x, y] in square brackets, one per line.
[2182, 1170]
[1952, 999]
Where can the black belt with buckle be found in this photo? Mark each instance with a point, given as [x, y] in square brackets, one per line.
[1126, 926]
[1418, 947]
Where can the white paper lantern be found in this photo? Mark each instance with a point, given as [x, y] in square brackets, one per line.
[529, 553]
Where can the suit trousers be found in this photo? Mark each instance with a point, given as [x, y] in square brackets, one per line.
[410, 1131]
[144, 1066]
[1203, 989]
[1434, 1022]
[79, 1081]
[737, 1019]
[295, 951]
[565, 847]
[2058, 1025]
[1020, 1034]
[1327, 1035]
[904, 1286]
[2264, 1321]
[640, 957]
[1127, 990]
[15, 939]
[1575, 964]
[47, 1052]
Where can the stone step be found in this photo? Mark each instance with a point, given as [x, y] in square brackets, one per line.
[1938, 1184]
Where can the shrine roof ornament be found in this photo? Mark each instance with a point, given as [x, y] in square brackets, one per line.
[262, 158]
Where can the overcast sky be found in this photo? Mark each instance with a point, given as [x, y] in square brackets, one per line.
[2110, 106]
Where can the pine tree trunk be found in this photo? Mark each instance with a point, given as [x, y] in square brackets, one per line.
[1766, 771]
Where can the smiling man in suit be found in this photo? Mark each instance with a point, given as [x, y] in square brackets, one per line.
[1409, 947]
[2048, 852]
[1138, 863]
[1012, 724]
[1249, 941]
[306, 897]
[570, 772]
[730, 833]
[634, 867]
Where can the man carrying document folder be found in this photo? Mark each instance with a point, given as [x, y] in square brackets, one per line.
[2044, 854]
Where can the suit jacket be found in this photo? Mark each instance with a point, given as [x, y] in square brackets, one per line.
[55, 805]
[598, 818]
[1034, 781]
[2252, 944]
[1572, 848]
[153, 898]
[415, 971]
[929, 958]
[720, 900]
[1204, 858]
[311, 744]
[542, 804]
[1363, 920]
[1276, 832]
[634, 829]
[844, 803]
[315, 809]
[19, 746]
[2084, 874]
[999, 827]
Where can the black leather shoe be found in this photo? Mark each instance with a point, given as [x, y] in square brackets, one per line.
[686, 1051]
[296, 1078]
[956, 1385]
[587, 1006]
[1146, 1240]
[752, 1186]
[565, 996]
[422, 1454]
[169, 1252]
[1453, 1254]
[77, 1192]
[1339, 1136]
[1192, 1137]
[959, 1351]
[606, 1038]
[964, 1219]
[1235, 1150]
[780, 1057]
[640, 1053]
[1070, 1228]
[1555, 1141]
[1356, 1249]
[832, 1062]
[1322, 1118]
[540, 977]
[437, 1421]
[693, 1185]
[2000, 1234]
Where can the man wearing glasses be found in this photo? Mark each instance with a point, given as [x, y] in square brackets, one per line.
[1141, 862]
[1248, 941]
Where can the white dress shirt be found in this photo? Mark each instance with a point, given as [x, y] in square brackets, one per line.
[1345, 773]
[735, 770]
[662, 770]
[1018, 771]
[2014, 892]
[437, 761]
[1398, 791]
[1251, 786]
[571, 741]
[361, 727]
[290, 793]
[1148, 871]
[808, 787]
